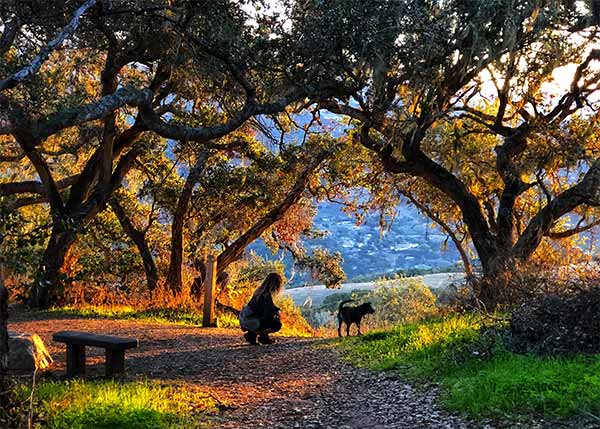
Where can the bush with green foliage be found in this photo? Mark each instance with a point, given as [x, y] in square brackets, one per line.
[247, 275]
[226, 319]
[396, 300]
[401, 300]
[294, 323]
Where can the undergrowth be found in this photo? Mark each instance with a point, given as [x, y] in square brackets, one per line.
[293, 322]
[478, 375]
[157, 315]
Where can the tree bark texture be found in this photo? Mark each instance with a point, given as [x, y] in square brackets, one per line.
[49, 284]
[139, 239]
[3, 331]
[174, 278]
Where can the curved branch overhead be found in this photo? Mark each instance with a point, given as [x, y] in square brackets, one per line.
[33, 186]
[235, 249]
[443, 126]
[112, 103]
[28, 71]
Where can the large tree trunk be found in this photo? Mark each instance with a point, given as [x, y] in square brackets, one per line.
[47, 288]
[3, 330]
[496, 261]
[496, 286]
[174, 279]
[139, 239]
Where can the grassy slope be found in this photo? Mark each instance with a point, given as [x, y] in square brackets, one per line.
[478, 375]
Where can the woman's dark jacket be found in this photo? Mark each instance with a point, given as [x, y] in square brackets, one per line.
[263, 307]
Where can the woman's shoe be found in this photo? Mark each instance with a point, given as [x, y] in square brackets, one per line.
[251, 338]
[264, 339]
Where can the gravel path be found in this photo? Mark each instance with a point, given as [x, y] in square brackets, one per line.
[295, 383]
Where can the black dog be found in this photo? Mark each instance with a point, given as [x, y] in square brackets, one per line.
[350, 315]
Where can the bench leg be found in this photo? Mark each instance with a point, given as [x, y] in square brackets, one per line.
[75, 360]
[115, 362]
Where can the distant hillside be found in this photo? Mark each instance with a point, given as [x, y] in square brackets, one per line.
[411, 243]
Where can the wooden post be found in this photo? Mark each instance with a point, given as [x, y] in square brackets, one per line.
[75, 360]
[115, 362]
[210, 283]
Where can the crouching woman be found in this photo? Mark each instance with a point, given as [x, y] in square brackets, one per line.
[260, 317]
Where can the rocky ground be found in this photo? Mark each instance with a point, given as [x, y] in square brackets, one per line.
[295, 383]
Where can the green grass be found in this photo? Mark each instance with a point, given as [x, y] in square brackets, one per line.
[100, 405]
[178, 316]
[528, 385]
[479, 377]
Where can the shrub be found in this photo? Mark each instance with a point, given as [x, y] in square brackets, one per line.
[520, 282]
[246, 276]
[400, 300]
[294, 324]
[558, 324]
[227, 319]
[397, 300]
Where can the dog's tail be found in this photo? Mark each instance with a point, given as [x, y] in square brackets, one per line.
[342, 304]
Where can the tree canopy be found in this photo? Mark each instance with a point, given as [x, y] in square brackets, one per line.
[463, 111]
[156, 132]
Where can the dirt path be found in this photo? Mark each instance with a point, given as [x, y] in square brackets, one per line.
[295, 383]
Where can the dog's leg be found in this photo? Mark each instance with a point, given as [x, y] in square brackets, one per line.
[339, 327]
[348, 328]
[358, 326]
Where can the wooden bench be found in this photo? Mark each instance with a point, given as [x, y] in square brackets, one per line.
[77, 341]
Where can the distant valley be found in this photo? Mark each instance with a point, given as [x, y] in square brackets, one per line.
[410, 244]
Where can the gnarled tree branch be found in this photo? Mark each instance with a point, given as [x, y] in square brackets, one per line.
[235, 249]
[587, 191]
[30, 70]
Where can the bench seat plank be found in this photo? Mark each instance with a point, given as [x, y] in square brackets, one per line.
[95, 340]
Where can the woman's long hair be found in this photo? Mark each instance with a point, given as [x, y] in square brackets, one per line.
[272, 284]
